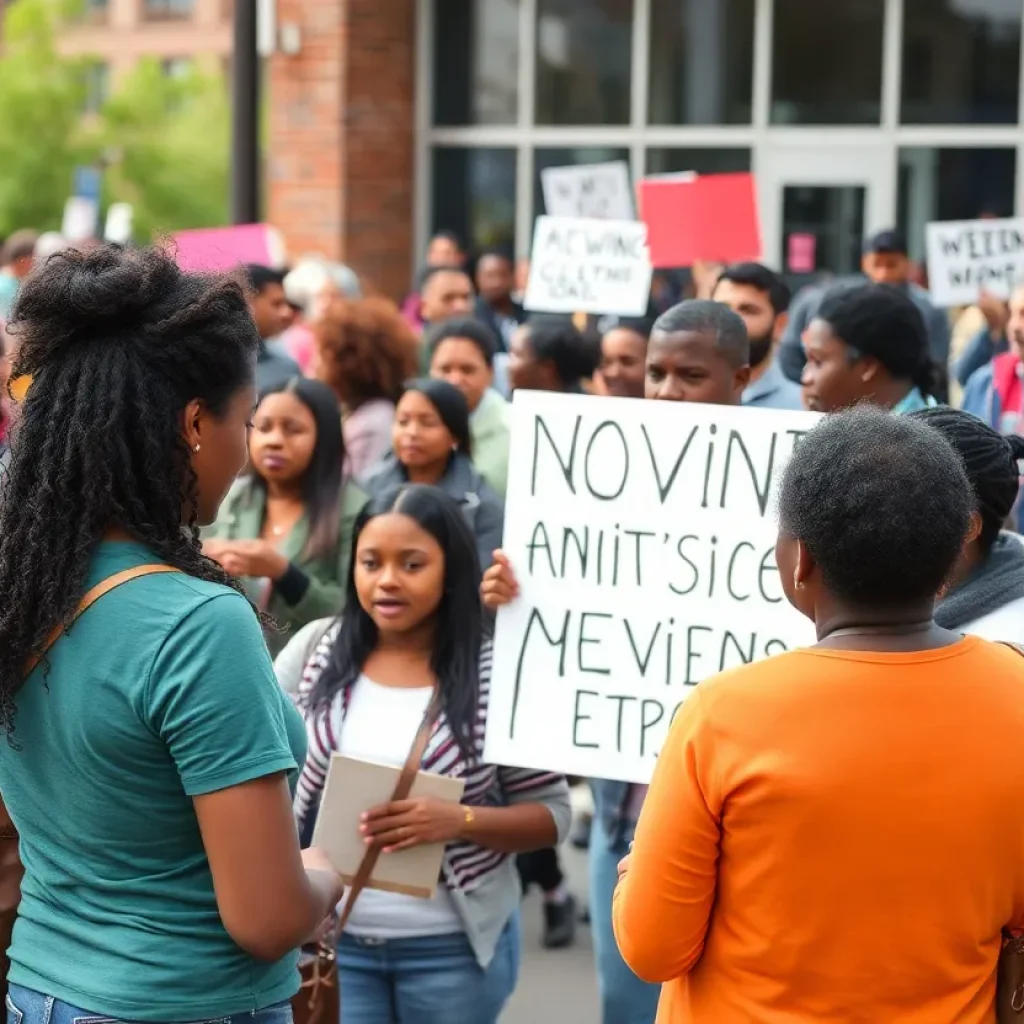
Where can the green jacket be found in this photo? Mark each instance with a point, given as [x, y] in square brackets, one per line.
[241, 518]
[489, 432]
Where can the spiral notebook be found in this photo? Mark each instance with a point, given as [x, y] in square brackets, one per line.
[353, 787]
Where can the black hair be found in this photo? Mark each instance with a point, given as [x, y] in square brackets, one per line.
[702, 316]
[639, 325]
[19, 246]
[882, 503]
[555, 339]
[451, 406]
[760, 277]
[496, 252]
[459, 631]
[117, 342]
[446, 235]
[260, 277]
[442, 268]
[466, 327]
[322, 483]
[882, 321]
[990, 460]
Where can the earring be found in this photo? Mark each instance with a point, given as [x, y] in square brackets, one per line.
[799, 584]
[196, 447]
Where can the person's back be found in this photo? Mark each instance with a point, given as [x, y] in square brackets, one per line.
[872, 836]
[113, 742]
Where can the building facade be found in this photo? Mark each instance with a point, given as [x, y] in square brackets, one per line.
[396, 118]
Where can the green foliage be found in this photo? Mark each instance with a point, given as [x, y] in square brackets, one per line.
[162, 140]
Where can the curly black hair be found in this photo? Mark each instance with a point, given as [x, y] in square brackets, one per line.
[883, 504]
[117, 342]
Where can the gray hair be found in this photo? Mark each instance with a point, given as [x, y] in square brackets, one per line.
[306, 282]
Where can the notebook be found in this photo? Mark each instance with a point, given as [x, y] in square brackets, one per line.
[353, 787]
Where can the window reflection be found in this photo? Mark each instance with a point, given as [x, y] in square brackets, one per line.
[702, 161]
[961, 61]
[827, 62]
[476, 62]
[475, 194]
[702, 61]
[584, 55]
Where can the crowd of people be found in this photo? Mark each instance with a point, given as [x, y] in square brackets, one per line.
[299, 486]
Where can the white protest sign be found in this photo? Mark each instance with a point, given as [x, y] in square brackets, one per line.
[966, 257]
[643, 538]
[599, 191]
[589, 266]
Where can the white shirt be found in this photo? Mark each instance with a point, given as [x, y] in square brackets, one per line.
[380, 725]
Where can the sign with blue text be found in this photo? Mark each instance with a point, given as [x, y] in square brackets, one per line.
[642, 535]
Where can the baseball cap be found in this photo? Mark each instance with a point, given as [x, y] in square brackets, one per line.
[888, 241]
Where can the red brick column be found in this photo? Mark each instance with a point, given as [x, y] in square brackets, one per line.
[340, 146]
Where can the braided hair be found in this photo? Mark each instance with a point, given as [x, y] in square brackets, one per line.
[991, 463]
[117, 343]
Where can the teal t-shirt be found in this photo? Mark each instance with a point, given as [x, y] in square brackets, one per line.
[162, 691]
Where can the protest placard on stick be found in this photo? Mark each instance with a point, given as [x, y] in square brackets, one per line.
[598, 191]
[589, 266]
[643, 538]
[966, 257]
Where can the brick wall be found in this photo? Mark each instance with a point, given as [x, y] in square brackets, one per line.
[340, 144]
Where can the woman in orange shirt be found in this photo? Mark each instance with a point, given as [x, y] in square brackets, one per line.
[837, 834]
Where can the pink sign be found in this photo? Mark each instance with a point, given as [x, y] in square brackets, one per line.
[801, 252]
[221, 249]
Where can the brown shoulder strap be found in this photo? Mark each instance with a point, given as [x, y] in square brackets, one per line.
[100, 590]
[402, 789]
[1013, 647]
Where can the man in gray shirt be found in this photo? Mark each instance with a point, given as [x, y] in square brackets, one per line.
[885, 261]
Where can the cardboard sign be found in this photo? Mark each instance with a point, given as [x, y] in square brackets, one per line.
[597, 191]
[966, 257]
[215, 250]
[354, 786]
[700, 218]
[589, 266]
[643, 539]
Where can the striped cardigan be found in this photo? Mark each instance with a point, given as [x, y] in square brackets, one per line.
[465, 865]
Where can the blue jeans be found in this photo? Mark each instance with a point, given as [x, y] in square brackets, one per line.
[625, 999]
[27, 1007]
[431, 980]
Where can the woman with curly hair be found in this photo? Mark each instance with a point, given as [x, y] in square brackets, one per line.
[366, 353]
[149, 754]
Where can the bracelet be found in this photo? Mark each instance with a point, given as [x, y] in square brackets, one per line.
[468, 817]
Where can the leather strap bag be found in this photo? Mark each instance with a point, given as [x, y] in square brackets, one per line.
[1010, 973]
[318, 1000]
[11, 868]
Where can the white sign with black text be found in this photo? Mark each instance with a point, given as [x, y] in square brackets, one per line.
[589, 266]
[966, 257]
[600, 191]
[643, 539]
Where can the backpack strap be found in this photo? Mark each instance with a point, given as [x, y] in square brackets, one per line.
[101, 589]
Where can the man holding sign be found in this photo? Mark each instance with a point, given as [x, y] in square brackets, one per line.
[698, 354]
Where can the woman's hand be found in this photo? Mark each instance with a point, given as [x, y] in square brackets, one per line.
[256, 558]
[499, 586]
[402, 824]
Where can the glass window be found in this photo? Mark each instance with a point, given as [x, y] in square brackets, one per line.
[702, 62]
[475, 195]
[176, 68]
[166, 10]
[953, 184]
[97, 85]
[822, 230]
[827, 62]
[476, 62]
[96, 10]
[703, 161]
[584, 50]
[961, 62]
[543, 158]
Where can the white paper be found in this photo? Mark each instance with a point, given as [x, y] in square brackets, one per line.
[589, 266]
[599, 191]
[966, 257]
[118, 228]
[81, 218]
[643, 538]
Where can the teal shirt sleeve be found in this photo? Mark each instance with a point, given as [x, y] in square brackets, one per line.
[213, 698]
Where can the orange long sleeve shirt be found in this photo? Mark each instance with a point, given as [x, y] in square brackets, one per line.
[834, 836]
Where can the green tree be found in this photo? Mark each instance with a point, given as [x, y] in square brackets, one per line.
[162, 140]
[42, 138]
[166, 146]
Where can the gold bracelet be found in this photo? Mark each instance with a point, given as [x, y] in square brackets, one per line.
[469, 817]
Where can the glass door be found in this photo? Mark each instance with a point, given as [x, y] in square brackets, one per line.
[819, 203]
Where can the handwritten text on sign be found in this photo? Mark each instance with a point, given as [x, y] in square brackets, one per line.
[966, 257]
[589, 266]
[643, 538]
[600, 191]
